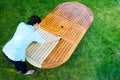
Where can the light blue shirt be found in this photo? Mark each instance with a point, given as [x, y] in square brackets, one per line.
[25, 34]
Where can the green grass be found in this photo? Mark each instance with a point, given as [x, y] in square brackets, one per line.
[97, 57]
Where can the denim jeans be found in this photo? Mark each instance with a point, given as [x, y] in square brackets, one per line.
[19, 65]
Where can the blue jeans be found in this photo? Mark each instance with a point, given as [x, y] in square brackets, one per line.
[19, 65]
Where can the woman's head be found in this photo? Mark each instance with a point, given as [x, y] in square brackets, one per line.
[33, 20]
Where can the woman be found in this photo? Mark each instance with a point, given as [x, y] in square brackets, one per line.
[15, 49]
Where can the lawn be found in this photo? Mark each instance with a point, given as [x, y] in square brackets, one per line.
[97, 57]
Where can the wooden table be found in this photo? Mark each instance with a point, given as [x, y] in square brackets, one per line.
[70, 20]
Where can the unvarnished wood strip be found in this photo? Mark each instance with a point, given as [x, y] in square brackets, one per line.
[33, 62]
[35, 46]
[89, 20]
[32, 49]
[64, 13]
[80, 8]
[87, 23]
[86, 16]
[36, 53]
[85, 19]
[77, 16]
[40, 52]
[29, 50]
[45, 34]
[81, 18]
[45, 51]
[37, 49]
[60, 11]
[33, 52]
[64, 9]
[73, 15]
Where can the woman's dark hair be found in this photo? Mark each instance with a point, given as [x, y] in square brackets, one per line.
[33, 20]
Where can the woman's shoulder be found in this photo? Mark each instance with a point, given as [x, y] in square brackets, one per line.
[22, 23]
[22, 26]
[26, 26]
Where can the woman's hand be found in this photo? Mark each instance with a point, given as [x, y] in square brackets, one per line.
[57, 38]
[53, 40]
